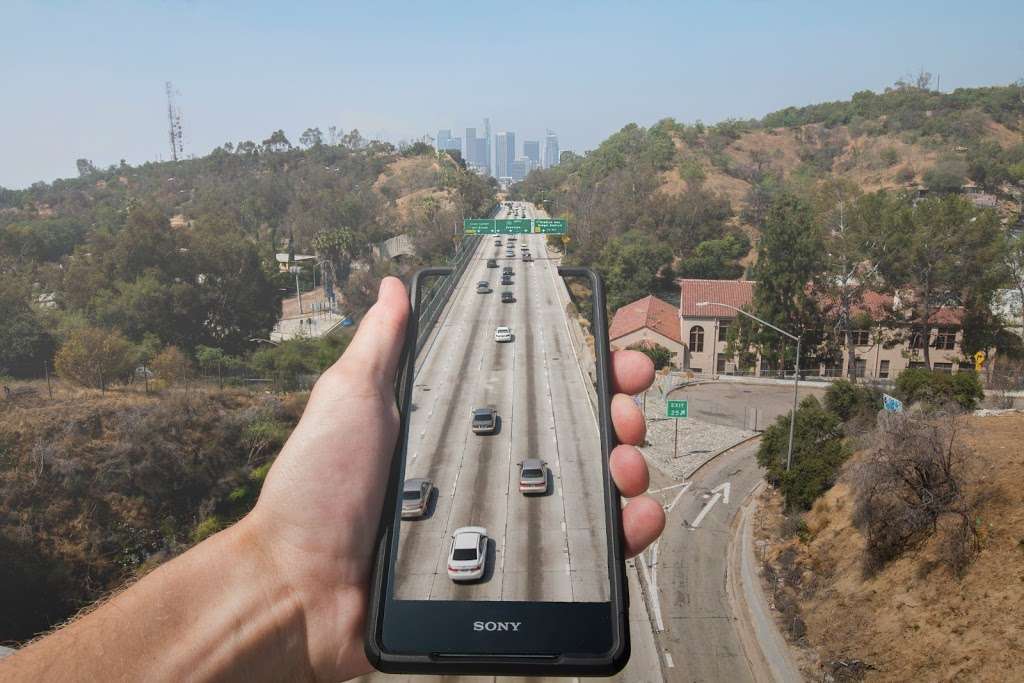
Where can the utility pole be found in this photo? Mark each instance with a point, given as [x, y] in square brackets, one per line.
[174, 123]
[298, 292]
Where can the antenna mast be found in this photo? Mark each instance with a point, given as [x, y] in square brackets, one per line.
[174, 123]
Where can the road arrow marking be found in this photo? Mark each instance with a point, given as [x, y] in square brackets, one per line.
[676, 499]
[707, 508]
[724, 488]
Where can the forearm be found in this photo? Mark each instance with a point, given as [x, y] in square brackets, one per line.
[217, 612]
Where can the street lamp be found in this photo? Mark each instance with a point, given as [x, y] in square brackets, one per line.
[265, 341]
[298, 292]
[796, 373]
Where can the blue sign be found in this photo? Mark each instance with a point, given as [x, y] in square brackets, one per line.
[892, 404]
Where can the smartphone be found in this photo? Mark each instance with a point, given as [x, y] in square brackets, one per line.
[500, 546]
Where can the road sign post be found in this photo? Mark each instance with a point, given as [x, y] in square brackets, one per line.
[676, 409]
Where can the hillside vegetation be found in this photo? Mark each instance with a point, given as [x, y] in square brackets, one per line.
[182, 253]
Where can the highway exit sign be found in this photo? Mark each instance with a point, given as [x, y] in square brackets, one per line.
[677, 408]
[478, 226]
[513, 226]
[550, 226]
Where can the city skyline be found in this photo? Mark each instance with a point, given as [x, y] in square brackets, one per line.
[511, 160]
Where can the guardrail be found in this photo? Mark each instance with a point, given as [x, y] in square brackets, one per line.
[439, 297]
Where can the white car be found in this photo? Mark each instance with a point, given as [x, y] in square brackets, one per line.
[502, 334]
[467, 560]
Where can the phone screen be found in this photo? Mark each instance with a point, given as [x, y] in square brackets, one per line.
[503, 491]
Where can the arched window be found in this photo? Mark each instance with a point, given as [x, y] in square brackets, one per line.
[696, 339]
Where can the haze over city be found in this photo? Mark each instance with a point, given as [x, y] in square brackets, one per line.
[90, 76]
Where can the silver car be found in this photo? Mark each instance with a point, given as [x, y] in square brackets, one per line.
[485, 420]
[415, 497]
[533, 476]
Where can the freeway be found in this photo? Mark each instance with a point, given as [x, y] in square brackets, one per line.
[549, 547]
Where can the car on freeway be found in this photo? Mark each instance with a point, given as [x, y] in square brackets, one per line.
[506, 281]
[485, 420]
[503, 334]
[467, 559]
[506, 298]
[415, 497]
[533, 476]
[491, 263]
[483, 287]
[497, 242]
[506, 270]
[527, 257]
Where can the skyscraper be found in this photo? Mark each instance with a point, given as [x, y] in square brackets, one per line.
[501, 155]
[487, 145]
[550, 150]
[531, 150]
[444, 138]
[470, 155]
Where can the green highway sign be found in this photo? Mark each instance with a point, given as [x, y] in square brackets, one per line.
[550, 226]
[513, 226]
[478, 226]
[677, 408]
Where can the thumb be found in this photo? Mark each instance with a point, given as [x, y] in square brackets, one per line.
[377, 346]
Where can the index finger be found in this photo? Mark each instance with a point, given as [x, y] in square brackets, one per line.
[632, 372]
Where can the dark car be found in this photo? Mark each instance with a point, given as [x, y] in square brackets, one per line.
[527, 257]
[507, 270]
[491, 263]
[507, 298]
[485, 420]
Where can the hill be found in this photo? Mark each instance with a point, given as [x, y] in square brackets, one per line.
[689, 183]
[914, 619]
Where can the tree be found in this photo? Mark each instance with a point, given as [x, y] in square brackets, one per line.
[789, 258]
[24, 342]
[1012, 251]
[947, 175]
[85, 168]
[311, 137]
[716, 259]
[944, 254]
[632, 267]
[172, 366]
[94, 357]
[277, 142]
[335, 249]
[659, 355]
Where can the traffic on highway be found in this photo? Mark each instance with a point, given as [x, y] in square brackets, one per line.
[502, 494]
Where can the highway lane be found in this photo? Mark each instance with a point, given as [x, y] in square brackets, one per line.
[548, 547]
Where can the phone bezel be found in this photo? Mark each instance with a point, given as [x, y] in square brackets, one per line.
[563, 638]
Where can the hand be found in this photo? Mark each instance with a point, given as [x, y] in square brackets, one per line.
[317, 515]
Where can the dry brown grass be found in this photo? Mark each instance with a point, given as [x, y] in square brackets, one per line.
[915, 620]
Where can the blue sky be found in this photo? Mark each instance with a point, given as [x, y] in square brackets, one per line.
[86, 79]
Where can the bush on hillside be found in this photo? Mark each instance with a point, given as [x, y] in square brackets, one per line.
[95, 357]
[818, 452]
[849, 400]
[172, 366]
[939, 389]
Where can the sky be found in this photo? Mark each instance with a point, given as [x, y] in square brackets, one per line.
[85, 79]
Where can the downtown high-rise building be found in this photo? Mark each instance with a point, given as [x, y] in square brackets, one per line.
[476, 152]
[504, 153]
[531, 150]
[446, 141]
[487, 146]
[550, 150]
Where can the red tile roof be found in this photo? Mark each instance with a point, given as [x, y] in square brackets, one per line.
[879, 307]
[736, 293]
[650, 312]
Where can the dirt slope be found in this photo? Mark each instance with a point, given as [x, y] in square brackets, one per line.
[914, 620]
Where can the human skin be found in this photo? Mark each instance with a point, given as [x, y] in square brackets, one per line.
[282, 594]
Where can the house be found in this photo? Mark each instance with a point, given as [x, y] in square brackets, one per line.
[882, 351]
[647, 321]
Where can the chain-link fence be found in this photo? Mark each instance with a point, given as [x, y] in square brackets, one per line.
[439, 292]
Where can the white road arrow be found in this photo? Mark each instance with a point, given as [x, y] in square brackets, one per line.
[724, 488]
[706, 510]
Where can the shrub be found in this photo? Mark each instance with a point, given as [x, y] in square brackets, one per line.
[818, 452]
[94, 357]
[947, 175]
[889, 156]
[938, 389]
[172, 366]
[849, 400]
[906, 174]
[206, 528]
[913, 486]
[659, 355]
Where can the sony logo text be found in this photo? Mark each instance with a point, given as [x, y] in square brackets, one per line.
[496, 625]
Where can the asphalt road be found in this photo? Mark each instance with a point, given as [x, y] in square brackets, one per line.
[546, 547]
[686, 571]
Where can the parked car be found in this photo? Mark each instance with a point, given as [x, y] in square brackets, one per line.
[467, 559]
[533, 476]
[491, 263]
[483, 287]
[506, 298]
[503, 334]
[485, 420]
[415, 497]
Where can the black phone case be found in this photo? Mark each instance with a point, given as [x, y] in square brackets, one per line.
[604, 664]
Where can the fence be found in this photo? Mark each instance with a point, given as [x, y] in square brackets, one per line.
[441, 291]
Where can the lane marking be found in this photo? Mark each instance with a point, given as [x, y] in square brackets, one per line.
[669, 488]
[707, 508]
[668, 660]
[724, 488]
[676, 499]
[654, 603]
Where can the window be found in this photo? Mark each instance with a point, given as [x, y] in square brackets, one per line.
[945, 339]
[720, 365]
[944, 367]
[696, 339]
[860, 366]
[915, 341]
[723, 331]
[861, 337]
[883, 369]
[917, 364]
